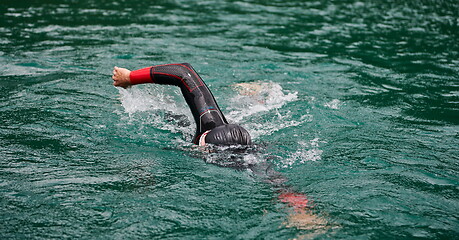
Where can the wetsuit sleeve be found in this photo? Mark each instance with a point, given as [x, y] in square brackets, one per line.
[140, 76]
[203, 106]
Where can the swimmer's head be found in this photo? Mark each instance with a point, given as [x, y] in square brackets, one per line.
[229, 134]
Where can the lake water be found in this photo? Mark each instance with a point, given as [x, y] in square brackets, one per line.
[358, 111]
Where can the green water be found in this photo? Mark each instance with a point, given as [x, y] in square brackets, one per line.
[359, 112]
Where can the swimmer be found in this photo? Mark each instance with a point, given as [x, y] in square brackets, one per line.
[211, 125]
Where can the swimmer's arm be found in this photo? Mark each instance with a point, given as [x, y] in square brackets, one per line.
[124, 78]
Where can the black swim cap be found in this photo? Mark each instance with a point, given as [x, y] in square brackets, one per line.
[229, 134]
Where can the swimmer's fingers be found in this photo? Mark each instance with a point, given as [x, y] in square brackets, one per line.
[121, 77]
[115, 76]
[116, 73]
[116, 70]
[117, 83]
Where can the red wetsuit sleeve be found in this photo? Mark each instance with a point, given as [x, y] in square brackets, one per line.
[141, 76]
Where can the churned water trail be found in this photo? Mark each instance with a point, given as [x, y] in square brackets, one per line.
[352, 105]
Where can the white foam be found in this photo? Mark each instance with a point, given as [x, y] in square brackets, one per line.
[148, 105]
[270, 126]
[258, 98]
[265, 97]
[333, 104]
[136, 99]
[307, 151]
[155, 101]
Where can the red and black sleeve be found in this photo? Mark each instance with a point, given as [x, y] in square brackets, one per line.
[203, 106]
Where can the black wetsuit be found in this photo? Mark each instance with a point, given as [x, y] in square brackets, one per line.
[210, 121]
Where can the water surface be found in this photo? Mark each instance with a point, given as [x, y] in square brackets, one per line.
[359, 112]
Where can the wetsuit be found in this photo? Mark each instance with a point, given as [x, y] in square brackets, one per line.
[211, 124]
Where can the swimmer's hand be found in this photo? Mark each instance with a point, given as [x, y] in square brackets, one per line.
[121, 77]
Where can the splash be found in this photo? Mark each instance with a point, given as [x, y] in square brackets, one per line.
[307, 151]
[276, 123]
[162, 107]
[333, 104]
[257, 99]
[233, 156]
[141, 99]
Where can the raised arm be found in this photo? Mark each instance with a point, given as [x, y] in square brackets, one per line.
[203, 106]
